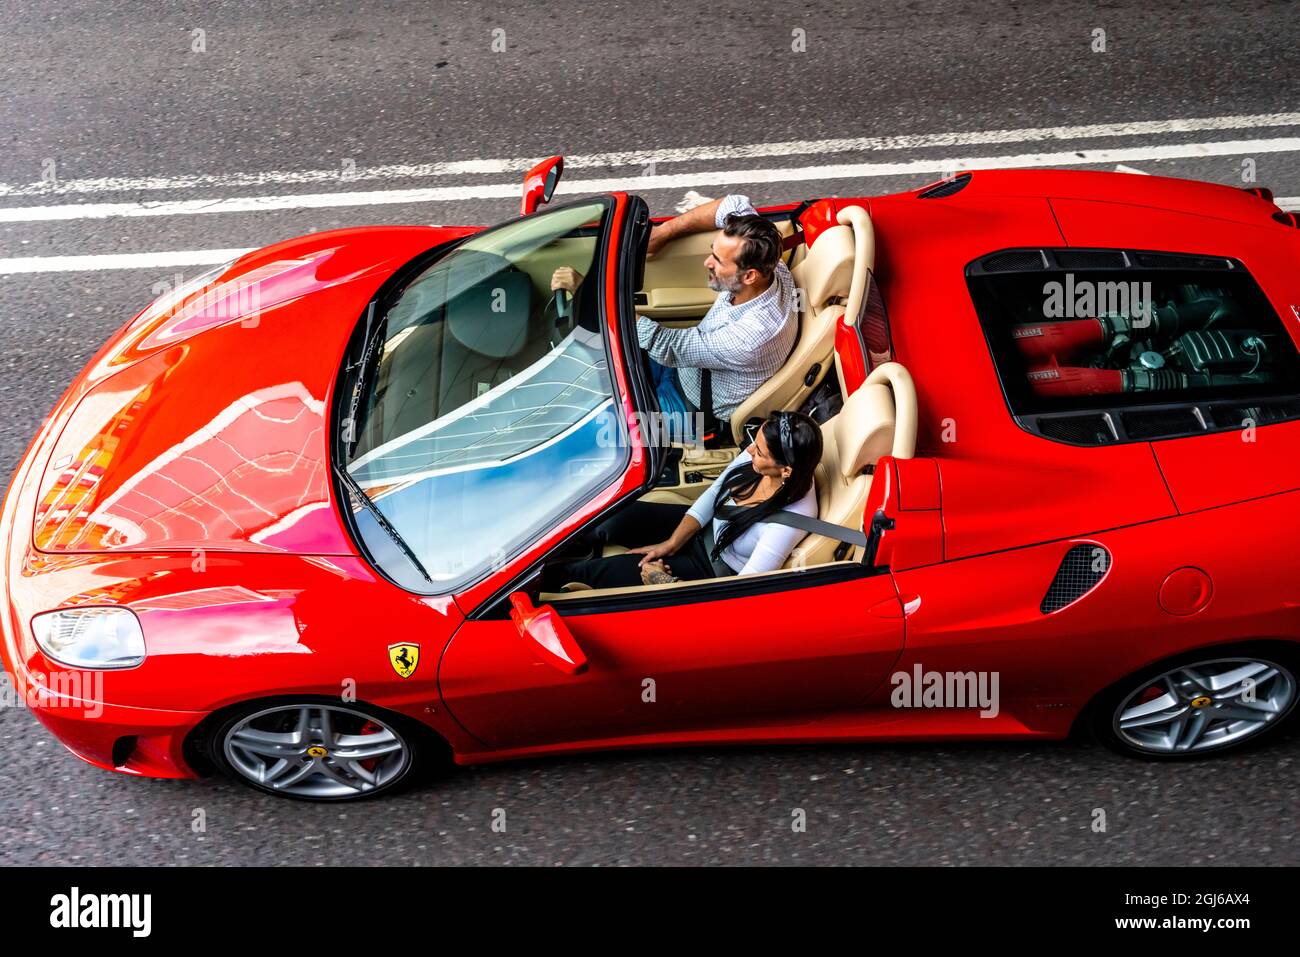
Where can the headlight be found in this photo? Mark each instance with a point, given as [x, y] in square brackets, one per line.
[91, 637]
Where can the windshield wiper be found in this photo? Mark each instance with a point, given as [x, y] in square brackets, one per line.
[357, 370]
[354, 487]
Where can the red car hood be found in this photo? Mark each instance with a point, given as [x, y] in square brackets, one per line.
[203, 424]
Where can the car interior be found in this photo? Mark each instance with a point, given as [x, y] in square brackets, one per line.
[879, 418]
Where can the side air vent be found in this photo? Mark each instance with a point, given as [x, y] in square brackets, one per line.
[1082, 568]
[1177, 261]
[1288, 219]
[1091, 259]
[1015, 260]
[945, 187]
[1091, 429]
[1157, 423]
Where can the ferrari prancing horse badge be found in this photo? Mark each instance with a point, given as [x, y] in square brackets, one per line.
[404, 658]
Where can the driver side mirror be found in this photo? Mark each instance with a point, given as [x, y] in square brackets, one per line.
[540, 183]
[549, 635]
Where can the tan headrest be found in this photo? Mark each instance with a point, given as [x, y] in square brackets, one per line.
[864, 429]
[827, 270]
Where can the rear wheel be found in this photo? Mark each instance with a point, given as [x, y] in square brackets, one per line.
[314, 751]
[1199, 706]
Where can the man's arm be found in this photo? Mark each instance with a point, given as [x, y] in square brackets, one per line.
[696, 220]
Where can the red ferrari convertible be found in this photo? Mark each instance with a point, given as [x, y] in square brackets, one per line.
[290, 523]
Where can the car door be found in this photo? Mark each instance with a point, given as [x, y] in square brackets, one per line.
[697, 659]
[714, 659]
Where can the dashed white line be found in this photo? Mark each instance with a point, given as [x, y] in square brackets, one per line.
[820, 147]
[159, 260]
[203, 257]
[730, 177]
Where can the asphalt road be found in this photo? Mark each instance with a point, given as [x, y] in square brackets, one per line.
[104, 103]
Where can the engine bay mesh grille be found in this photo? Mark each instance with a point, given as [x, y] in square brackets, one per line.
[1088, 429]
[1083, 566]
[1090, 259]
[1240, 416]
[1181, 261]
[1155, 423]
[1015, 260]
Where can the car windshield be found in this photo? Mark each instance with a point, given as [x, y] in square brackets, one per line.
[483, 411]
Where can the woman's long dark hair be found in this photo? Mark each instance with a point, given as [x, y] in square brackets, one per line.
[802, 450]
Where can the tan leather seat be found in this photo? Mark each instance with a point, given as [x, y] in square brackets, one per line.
[668, 497]
[878, 419]
[833, 269]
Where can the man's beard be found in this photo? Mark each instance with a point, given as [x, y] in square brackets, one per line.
[718, 284]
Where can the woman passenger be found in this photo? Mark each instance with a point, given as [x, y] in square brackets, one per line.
[775, 472]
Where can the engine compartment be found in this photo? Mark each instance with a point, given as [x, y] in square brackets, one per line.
[1202, 339]
[1071, 339]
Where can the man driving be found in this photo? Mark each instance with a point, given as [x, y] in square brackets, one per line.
[748, 331]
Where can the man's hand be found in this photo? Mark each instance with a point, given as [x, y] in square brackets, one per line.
[653, 553]
[566, 278]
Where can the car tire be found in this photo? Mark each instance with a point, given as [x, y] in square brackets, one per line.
[316, 749]
[1195, 705]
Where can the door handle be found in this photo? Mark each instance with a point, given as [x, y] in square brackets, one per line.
[549, 633]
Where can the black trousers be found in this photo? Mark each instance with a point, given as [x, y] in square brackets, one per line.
[641, 523]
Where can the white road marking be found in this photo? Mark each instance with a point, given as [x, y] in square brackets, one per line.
[160, 260]
[645, 157]
[1121, 168]
[205, 257]
[691, 200]
[732, 177]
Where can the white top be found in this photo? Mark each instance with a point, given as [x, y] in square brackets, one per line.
[764, 546]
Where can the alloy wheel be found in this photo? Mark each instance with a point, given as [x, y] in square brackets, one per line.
[1205, 705]
[316, 751]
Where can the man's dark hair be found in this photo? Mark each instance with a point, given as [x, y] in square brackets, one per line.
[760, 242]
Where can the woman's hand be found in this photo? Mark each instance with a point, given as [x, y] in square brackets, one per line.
[654, 553]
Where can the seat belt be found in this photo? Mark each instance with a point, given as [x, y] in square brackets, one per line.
[796, 237]
[870, 543]
[712, 427]
[720, 568]
[814, 526]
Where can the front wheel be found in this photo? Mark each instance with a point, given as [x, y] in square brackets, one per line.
[1200, 706]
[319, 752]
